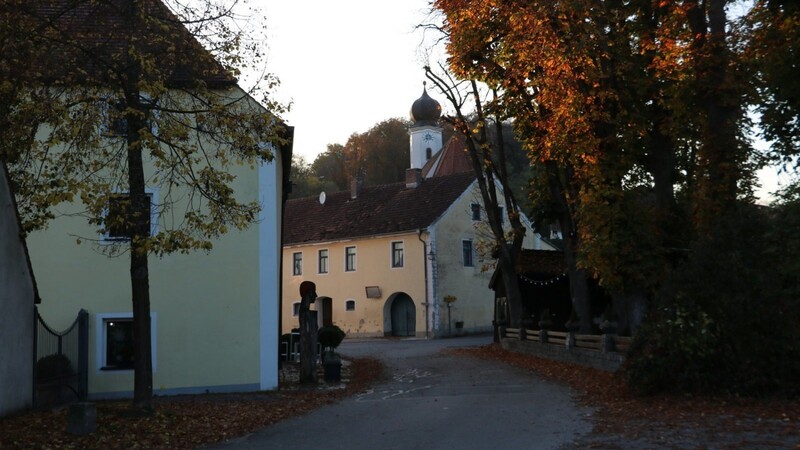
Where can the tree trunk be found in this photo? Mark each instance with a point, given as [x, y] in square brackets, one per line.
[578, 278]
[630, 309]
[719, 168]
[139, 218]
[511, 284]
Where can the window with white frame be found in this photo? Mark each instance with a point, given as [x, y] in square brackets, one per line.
[350, 305]
[397, 254]
[466, 253]
[117, 223]
[476, 211]
[296, 309]
[115, 341]
[323, 261]
[349, 259]
[297, 263]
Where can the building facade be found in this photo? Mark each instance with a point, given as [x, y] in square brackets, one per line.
[400, 259]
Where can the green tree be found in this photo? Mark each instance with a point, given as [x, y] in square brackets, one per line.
[771, 32]
[330, 166]
[147, 106]
[306, 183]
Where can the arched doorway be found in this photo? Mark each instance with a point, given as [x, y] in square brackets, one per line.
[324, 311]
[403, 316]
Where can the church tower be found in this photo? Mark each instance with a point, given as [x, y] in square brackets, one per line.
[425, 132]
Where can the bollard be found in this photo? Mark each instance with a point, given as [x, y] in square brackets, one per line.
[82, 418]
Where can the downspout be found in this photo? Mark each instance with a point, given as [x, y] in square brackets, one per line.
[425, 265]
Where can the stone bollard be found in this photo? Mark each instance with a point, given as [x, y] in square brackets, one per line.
[332, 367]
[82, 418]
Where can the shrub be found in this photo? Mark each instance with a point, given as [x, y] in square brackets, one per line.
[728, 321]
[53, 366]
[330, 337]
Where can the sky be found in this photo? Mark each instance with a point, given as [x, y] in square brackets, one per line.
[346, 65]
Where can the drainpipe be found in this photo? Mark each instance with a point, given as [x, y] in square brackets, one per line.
[425, 265]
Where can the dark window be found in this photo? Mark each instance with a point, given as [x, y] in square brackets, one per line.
[350, 305]
[428, 153]
[119, 344]
[296, 309]
[476, 211]
[116, 123]
[397, 254]
[323, 261]
[297, 263]
[350, 259]
[118, 221]
[466, 252]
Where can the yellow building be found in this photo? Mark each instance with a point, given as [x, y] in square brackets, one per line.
[384, 258]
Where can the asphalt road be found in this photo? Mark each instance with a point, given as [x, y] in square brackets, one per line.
[435, 401]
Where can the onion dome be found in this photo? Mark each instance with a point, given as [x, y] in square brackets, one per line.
[425, 110]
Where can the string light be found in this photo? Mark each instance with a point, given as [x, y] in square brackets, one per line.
[543, 282]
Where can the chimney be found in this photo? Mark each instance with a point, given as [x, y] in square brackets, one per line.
[356, 185]
[413, 178]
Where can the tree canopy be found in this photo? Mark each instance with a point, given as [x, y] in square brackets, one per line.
[636, 119]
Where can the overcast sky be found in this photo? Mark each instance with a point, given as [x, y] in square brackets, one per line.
[344, 65]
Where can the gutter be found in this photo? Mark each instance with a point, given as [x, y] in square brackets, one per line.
[425, 266]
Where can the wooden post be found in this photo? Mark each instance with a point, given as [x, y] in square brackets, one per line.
[308, 333]
[543, 336]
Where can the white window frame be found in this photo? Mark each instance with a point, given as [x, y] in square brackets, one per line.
[105, 239]
[471, 253]
[297, 270]
[327, 261]
[391, 255]
[100, 340]
[295, 309]
[355, 258]
[348, 302]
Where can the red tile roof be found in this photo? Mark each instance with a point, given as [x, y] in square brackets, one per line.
[452, 159]
[384, 209]
[91, 36]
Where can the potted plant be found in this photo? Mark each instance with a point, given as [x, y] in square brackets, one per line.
[329, 337]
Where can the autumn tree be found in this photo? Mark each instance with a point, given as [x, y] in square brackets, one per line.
[146, 106]
[607, 98]
[380, 154]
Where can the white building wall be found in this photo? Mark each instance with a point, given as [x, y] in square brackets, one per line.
[16, 310]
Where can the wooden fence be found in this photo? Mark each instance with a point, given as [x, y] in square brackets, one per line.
[599, 342]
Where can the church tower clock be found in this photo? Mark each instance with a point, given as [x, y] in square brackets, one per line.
[425, 132]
